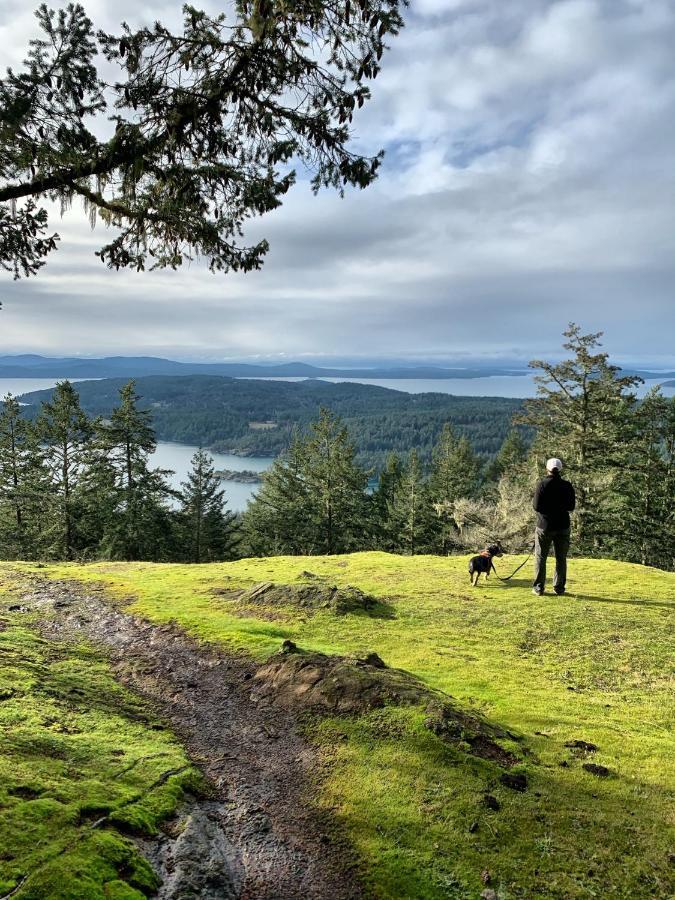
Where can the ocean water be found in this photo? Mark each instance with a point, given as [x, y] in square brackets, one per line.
[514, 386]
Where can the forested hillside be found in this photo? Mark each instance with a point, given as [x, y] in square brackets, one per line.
[217, 412]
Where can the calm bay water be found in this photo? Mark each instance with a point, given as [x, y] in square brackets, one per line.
[177, 458]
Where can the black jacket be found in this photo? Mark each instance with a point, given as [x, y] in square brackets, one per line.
[554, 500]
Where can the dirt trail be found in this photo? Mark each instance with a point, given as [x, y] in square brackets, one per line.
[258, 840]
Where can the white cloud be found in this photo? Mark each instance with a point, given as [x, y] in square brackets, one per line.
[529, 168]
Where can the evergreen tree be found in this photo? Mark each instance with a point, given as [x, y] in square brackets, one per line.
[24, 485]
[209, 532]
[669, 484]
[279, 519]
[335, 485]
[582, 415]
[455, 468]
[385, 530]
[641, 504]
[512, 454]
[412, 512]
[66, 431]
[313, 498]
[138, 519]
[454, 476]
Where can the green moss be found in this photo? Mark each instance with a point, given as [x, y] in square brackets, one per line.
[76, 752]
[595, 665]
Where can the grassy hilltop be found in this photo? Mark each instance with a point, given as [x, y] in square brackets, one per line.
[594, 666]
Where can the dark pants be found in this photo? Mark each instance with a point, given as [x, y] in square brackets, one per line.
[542, 545]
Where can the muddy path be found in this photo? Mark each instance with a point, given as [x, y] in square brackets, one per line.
[259, 838]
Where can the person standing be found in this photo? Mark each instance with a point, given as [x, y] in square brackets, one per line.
[554, 500]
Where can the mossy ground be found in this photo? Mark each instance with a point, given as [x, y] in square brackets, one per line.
[81, 765]
[596, 665]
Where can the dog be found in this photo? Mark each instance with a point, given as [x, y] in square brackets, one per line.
[482, 564]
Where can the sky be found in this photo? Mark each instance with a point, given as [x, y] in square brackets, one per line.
[529, 181]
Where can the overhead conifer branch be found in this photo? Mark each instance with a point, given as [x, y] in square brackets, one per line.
[208, 123]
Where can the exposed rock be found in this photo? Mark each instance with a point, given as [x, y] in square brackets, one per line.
[595, 769]
[197, 860]
[489, 894]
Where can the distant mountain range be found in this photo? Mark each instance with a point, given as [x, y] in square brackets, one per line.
[33, 366]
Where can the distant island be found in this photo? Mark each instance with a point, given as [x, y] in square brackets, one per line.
[244, 476]
[258, 417]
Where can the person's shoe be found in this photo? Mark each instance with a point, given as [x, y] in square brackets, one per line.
[560, 591]
[537, 590]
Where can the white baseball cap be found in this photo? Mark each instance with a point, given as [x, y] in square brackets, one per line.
[554, 463]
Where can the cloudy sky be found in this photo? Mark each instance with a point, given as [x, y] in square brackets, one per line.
[529, 181]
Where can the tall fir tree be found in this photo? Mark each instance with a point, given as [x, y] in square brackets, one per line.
[640, 502]
[209, 531]
[139, 522]
[25, 485]
[192, 154]
[278, 520]
[336, 486]
[669, 483]
[454, 476]
[385, 530]
[64, 428]
[511, 455]
[313, 499]
[412, 513]
[582, 415]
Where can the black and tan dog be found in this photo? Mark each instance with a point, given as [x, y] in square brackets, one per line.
[482, 564]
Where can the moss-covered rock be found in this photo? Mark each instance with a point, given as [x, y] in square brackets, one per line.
[315, 596]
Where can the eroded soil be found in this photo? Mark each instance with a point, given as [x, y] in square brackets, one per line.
[259, 837]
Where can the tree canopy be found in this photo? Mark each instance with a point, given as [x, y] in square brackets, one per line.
[206, 125]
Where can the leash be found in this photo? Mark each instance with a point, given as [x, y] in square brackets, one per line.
[509, 577]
